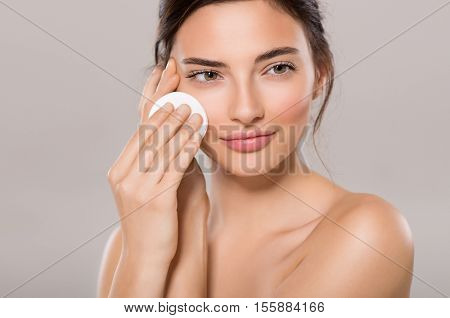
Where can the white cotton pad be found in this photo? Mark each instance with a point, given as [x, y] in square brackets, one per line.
[179, 98]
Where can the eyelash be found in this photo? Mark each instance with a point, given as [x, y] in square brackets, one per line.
[291, 67]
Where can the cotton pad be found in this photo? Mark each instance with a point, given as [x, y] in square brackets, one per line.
[179, 98]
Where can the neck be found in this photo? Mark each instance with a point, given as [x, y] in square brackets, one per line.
[238, 198]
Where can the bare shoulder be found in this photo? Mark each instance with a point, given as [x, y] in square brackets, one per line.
[363, 247]
[376, 229]
[374, 219]
[110, 259]
[369, 215]
[375, 223]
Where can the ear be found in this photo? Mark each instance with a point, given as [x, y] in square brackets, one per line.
[319, 83]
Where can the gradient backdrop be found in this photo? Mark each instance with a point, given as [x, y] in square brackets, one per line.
[64, 121]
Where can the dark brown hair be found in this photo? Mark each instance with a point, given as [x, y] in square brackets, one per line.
[172, 14]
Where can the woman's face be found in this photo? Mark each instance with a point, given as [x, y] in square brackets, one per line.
[241, 92]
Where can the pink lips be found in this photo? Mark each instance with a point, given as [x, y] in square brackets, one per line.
[249, 144]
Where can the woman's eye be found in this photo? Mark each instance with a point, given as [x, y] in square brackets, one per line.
[279, 68]
[208, 76]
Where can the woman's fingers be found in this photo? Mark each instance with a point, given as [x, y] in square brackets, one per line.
[168, 82]
[160, 82]
[149, 90]
[157, 140]
[177, 168]
[172, 148]
[126, 158]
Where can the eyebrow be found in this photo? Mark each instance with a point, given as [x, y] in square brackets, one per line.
[262, 57]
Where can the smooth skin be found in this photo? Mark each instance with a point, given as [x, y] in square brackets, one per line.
[259, 233]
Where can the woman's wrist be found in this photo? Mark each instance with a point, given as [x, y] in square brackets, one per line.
[138, 277]
[138, 257]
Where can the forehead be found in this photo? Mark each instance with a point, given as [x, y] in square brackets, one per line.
[237, 29]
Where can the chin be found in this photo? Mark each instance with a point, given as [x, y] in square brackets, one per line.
[249, 164]
[242, 172]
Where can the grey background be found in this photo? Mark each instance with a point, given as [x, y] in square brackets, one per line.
[64, 121]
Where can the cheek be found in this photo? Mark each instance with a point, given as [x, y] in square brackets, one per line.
[213, 101]
[288, 104]
[287, 109]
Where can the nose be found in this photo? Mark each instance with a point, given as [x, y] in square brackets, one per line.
[246, 107]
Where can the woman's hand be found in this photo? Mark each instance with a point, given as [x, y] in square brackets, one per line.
[188, 269]
[146, 176]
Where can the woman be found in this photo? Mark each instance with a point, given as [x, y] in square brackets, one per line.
[268, 227]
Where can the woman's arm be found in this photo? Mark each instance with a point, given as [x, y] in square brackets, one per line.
[139, 276]
[186, 276]
[188, 270]
[145, 180]
[125, 275]
[110, 259]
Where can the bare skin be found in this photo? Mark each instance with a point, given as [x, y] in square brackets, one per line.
[345, 246]
[158, 185]
[260, 233]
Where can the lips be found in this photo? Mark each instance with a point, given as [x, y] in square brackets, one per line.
[242, 135]
[250, 144]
